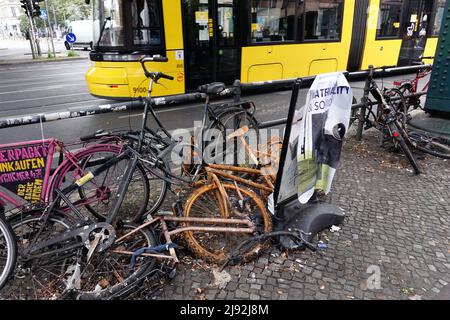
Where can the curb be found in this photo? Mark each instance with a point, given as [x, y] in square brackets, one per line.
[15, 62]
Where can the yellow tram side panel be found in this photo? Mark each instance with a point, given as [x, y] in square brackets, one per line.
[378, 52]
[126, 79]
[285, 61]
[430, 49]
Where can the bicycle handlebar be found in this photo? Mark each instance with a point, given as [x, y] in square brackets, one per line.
[154, 75]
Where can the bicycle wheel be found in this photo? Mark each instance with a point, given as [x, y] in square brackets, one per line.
[43, 277]
[400, 139]
[96, 195]
[398, 102]
[407, 89]
[354, 115]
[432, 146]
[228, 122]
[216, 247]
[151, 147]
[8, 251]
[110, 274]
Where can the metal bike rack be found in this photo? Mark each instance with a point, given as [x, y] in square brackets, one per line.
[78, 112]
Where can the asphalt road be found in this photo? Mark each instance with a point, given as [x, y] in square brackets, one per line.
[54, 86]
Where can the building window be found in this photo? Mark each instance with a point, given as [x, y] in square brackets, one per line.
[13, 12]
[436, 27]
[146, 18]
[388, 25]
[323, 19]
[273, 20]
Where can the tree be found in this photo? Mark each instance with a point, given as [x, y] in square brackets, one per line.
[69, 10]
[65, 10]
[24, 23]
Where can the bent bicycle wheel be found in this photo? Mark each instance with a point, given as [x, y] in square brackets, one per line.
[216, 247]
[8, 250]
[113, 273]
[432, 146]
[44, 275]
[233, 151]
[403, 141]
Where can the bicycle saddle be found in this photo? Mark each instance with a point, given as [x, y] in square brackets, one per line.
[212, 88]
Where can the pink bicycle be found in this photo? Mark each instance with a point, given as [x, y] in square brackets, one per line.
[28, 179]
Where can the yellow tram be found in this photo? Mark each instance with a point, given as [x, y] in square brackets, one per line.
[258, 40]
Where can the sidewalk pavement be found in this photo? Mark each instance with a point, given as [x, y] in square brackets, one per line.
[19, 52]
[439, 126]
[393, 244]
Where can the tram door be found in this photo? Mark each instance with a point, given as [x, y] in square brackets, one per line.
[416, 21]
[211, 42]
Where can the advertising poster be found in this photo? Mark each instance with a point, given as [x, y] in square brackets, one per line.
[22, 170]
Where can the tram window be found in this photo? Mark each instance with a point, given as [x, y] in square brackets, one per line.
[388, 25]
[323, 19]
[146, 22]
[225, 16]
[113, 34]
[438, 18]
[273, 21]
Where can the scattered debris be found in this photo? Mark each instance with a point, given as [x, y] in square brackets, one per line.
[408, 291]
[321, 285]
[200, 290]
[221, 278]
[322, 245]
[415, 297]
[335, 228]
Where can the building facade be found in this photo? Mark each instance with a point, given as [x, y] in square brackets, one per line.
[10, 12]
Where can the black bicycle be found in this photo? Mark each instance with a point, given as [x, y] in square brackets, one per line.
[69, 254]
[384, 116]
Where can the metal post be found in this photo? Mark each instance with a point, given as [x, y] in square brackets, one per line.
[50, 27]
[33, 53]
[33, 29]
[359, 130]
[32, 34]
[55, 25]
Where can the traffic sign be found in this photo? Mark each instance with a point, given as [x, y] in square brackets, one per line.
[71, 38]
[44, 15]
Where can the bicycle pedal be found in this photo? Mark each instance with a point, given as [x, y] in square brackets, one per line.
[163, 213]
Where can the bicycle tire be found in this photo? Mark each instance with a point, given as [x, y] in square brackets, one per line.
[152, 145]
[69, 173]
[407, 89]
[153, 148]
[400, 106]
[431, 147]
[35, 278]
[8, 251]
[204, 244]
[97, 284]
[406, 150]
[228, 120]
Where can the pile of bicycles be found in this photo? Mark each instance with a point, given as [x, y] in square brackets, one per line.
[388, 110]
[97, 231]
